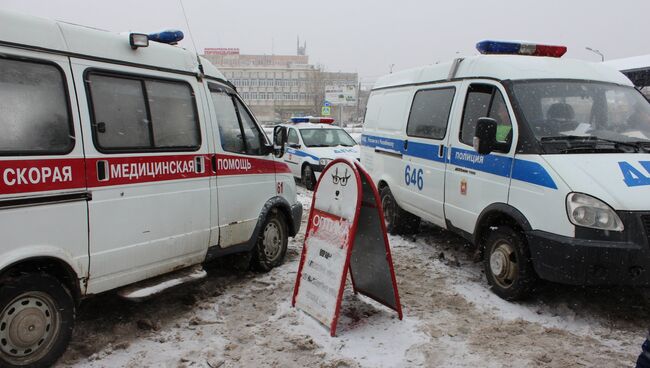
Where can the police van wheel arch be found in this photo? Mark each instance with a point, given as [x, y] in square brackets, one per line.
[308, 177]
[397, 220]
[498, 214]
[271, 246]
[507, 263]
[36, 319]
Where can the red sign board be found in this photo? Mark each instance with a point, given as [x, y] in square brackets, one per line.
[337, 241]
[221, 51]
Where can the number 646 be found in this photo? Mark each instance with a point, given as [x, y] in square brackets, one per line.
[414, 177]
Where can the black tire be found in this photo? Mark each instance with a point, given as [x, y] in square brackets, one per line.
[508, 267]
[397, 220]
[37, 315]
[271, 246]
[308, 177]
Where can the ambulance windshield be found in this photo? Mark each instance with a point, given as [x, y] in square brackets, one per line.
[589, 113]
[326, 138]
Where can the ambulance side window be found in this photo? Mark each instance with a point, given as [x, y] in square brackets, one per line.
[229, 129]
[134, 114]
[34, 109]
[253, 137]
[485, 101]
[293, 137]
[430, 113]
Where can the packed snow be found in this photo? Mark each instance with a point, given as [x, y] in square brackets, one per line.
[237, 318]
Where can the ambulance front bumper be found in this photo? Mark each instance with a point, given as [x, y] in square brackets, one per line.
[575, 261]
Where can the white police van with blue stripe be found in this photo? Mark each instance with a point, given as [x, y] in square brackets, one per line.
[312, 142]
[541, 162]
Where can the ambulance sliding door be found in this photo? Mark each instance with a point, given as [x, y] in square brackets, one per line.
[146, 167]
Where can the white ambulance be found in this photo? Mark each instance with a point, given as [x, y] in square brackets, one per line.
[541, 162]
[120, 160]
[312, 143]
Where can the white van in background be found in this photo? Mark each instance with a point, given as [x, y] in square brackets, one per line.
[541, 162]
[120, 160]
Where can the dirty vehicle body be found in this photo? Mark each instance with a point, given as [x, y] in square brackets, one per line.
[120, 162]
[540, 161]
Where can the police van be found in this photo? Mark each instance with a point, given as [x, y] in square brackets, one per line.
[312, 142]
[541, 162]
[121, 160]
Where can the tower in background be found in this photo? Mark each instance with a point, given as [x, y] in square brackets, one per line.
[301, 50]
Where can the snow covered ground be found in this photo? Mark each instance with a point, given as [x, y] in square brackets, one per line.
[244, 319]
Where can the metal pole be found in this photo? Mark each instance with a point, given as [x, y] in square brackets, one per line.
[597, 52]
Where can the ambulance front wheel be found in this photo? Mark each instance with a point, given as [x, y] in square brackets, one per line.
[507, 264]
[397, 220]
[308, 177]
[36, 320]
[272, 243]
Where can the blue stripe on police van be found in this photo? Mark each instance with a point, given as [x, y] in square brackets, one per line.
[522, 170]
[301, 153]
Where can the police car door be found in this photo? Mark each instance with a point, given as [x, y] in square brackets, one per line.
[475, 181]
[290, 157]
[424, 152]
[245, 173]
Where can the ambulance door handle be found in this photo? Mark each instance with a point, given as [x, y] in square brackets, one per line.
[199, 164]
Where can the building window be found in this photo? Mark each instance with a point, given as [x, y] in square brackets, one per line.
[246, 95]
[294, 96]
[303, 96]
[278, 82]
[253, 95]
[285, 95]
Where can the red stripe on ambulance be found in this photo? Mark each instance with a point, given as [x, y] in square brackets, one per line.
[22, 176]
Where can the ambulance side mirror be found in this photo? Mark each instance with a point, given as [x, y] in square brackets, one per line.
[279, 140]
[485, 136]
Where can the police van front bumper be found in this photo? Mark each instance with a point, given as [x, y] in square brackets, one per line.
[595, 257]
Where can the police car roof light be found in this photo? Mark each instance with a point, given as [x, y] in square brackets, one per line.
[169, 36]
[518, 48]
[312, 119]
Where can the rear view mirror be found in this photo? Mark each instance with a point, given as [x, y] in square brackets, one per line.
[279, 140]
[485, 140]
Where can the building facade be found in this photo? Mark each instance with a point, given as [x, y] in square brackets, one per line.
[277, 87]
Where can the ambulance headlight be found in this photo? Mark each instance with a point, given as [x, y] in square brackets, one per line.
[587, 211]
[324, 161]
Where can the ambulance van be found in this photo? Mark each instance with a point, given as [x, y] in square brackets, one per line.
[541, 162]
[121, 159]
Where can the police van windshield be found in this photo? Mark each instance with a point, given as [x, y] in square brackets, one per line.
[326, 138]
[584, 116]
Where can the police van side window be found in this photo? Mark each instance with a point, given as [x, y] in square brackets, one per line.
[430, 113]
[137, 114]
[34, 109]
[485, 101]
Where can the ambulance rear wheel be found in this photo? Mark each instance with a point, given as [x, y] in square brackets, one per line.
[308, 177]
[272, 243]
[397, 220]
[507, 264]
[36, 320]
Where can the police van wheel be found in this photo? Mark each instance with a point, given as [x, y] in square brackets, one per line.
[271, 244]
[308, 177]
[507, 264]
[36, 319]
[397, 220]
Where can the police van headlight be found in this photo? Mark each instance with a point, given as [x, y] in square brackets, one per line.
[587, 211]
[324, 161]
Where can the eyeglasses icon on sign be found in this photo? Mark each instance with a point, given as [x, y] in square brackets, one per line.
[342, 179]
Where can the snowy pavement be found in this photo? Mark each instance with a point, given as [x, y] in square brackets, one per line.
[451, 319]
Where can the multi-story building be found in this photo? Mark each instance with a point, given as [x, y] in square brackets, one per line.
[277, 87]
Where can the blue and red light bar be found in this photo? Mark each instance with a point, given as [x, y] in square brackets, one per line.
[312, 119]
[169, 36]
[519, 48]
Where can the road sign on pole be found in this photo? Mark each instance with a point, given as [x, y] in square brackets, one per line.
[326, 111]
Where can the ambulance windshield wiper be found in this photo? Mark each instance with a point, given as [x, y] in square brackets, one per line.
[589, 143]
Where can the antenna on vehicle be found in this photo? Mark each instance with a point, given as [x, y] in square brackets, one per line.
[189, 30]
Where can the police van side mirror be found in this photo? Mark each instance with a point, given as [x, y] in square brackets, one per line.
[279, 140]
[294, 145]
[485, 136]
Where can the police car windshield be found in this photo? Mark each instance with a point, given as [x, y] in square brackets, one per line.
[565, 111]
[323, 137]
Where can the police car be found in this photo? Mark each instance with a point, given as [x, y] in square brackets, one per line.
[541, 162]
[312, 142]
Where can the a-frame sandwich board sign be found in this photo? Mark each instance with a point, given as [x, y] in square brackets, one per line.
[345, 232]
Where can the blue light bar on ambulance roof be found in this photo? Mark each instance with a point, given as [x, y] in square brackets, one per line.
[519, 48]
[169, 36]
[311, 119]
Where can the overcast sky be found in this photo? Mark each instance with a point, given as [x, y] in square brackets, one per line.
[367, 36]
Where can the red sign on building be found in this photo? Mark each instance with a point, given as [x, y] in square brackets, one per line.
[221, 51]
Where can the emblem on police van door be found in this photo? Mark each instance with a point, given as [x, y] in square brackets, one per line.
[463, 187]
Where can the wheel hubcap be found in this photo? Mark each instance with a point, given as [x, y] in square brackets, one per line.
[27, 326]
[272, 240]
[503, 265]
[387, 206]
